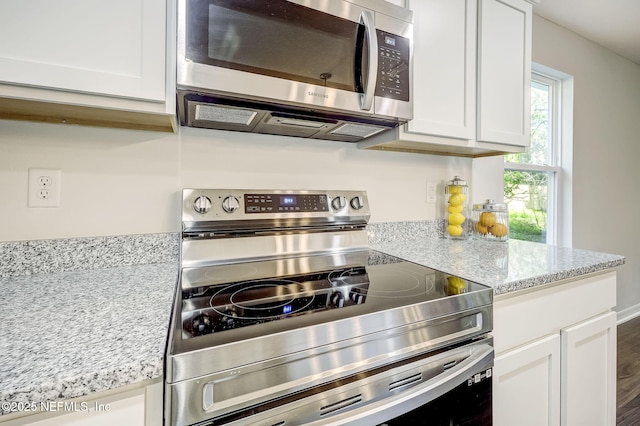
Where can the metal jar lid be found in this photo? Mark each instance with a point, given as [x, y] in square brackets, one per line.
[491, 205]
[457, 182]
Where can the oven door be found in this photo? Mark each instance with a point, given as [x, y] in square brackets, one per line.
[452, 387]
[330, 54]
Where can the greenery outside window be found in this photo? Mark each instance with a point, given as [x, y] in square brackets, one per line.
[532, 178]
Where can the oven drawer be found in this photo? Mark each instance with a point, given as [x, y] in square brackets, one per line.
[449, 386]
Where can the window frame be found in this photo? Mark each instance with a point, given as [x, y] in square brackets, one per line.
[559, 155]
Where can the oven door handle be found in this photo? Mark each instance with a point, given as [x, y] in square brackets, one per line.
[402, 403]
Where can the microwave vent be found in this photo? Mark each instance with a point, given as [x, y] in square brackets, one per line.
[357, 130]
[285, 121]
[214, 111]
[224, 114]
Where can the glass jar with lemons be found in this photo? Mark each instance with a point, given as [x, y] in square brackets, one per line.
[457, 216]
[490, 221]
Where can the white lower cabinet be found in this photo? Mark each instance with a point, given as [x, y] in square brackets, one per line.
[556, 355]
[139, 405]
[126, 411]
[589, 372]
[526, 384]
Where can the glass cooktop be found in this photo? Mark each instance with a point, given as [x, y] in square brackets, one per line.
[293, 292]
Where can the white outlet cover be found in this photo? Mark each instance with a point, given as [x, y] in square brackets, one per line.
[44, 187]
[431, 192]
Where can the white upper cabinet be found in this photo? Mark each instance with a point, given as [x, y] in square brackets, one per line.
[471, 79]
[444, 84]
[504, 71]
[112, 48]
[108, 55]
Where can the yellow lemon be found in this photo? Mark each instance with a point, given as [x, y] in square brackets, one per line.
[456, 285]
[454, 230]
[487, 219]
[482, 230]
[455, 189]
[455, 209]
[457, 199]
[456, 219]
[499, 230]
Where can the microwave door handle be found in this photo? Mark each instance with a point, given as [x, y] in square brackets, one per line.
[366, 98]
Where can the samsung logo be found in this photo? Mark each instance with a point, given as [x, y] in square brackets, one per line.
[318, 95]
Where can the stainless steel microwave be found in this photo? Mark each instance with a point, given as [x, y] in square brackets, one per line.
[326, 69]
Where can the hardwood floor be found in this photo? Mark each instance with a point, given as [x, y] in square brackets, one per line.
[628, 384]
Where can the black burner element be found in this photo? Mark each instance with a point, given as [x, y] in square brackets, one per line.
[253, 302]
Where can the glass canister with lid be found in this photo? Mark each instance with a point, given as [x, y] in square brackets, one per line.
[457, 213]
[490, 221]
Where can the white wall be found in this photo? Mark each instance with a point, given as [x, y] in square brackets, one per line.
[606, 147]
[117, 182]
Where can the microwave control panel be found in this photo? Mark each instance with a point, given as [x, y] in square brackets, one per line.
[393, 66]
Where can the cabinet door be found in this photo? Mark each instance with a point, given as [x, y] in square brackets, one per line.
[526, 384]
[444, 58]
[128, 411]
[114, 47]
[504, 71]
[589, 372]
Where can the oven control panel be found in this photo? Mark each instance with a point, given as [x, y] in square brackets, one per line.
[204, 206]
[284, 203]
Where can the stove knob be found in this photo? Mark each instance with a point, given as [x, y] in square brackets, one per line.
[230, 204]
[338, 203]
[357, 202]
[228, 321]
[202, 204]
[357, 296]
[201, 325]
[337, 299]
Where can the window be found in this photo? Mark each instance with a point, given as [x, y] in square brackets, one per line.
[534, 181]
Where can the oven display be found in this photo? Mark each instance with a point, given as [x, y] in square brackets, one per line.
[288, 200]
[285, 203]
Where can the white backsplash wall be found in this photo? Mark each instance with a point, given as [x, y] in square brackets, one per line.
[113, 181]
[119, 182]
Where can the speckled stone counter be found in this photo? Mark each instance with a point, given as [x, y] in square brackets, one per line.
[75, 321]
[69, 334]
[81, 254]
[507, 267]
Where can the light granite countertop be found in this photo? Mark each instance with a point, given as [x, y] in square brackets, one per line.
[506, 266]
[67, 332]
[70, 334]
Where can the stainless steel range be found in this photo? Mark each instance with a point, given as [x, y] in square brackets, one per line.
[283, 316]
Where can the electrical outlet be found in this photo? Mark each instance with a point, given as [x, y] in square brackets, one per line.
[431, 192]
[44, 187]
[44, 181]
